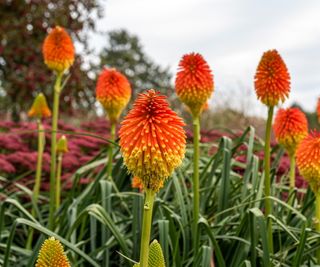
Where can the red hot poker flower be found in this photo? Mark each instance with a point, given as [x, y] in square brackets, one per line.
[39, 108]
[52, 254]
[113, 92]
[194, 82]
[58, 50]
[308, 160]
[152, 140]
[290, 127]
[272, 79]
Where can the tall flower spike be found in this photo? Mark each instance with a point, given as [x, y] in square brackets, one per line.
[308, 160]
[194, 82]
[58, 50]
[272, 79]
[152, 140]
[318, 109]
[290, 127]
[113, 92]
[39, 108]
[52, 255]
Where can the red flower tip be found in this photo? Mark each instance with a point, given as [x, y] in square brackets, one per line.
[152, 140]
[308, 155]
[272, 79]
[194, 82]
[290, 127]
[113, 92]
[58, 50]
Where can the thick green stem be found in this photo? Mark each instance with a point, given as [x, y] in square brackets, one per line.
[146, 228]
[292, 173]
[56, 95]
[36, 188]
[292, 179]
[317, 224]
[267, 180]
[110, 150]
[107, 204]
[58, 180]
[196, 192]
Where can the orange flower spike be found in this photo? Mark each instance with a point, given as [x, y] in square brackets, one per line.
[152, 140]
[39, 107]
[113, 91]
[308, 160]
[318, 109]
[272, 79]
[194, 82]
[290, 127]
[58, 50]
[51, 254]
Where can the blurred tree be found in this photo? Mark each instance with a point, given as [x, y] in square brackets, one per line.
[125, 53]
[24, 25]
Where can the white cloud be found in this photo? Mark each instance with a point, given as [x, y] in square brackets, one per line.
[231, 34]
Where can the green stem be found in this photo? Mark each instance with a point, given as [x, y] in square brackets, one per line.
[58, 180]
[56, 95]
[110, 160]
[107, 204]
[317, 224]
[292, 179]
[196, 192]
[292, 173]
[267, 180]
[146, 228]
[36, 188]
[110, 150]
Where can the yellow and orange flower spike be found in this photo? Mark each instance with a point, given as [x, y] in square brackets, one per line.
[290, 127]
[39, 108]
[308, 160]
[152, 140]
[51, 254]
[58, 50]
[113, 91]
[194, 82]
[272, 79]
[318, 109]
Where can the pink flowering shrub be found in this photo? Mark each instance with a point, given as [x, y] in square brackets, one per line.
[18, 149]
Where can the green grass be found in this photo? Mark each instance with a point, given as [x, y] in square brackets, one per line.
[232, 227]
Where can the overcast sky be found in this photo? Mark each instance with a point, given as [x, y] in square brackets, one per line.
[231, 35]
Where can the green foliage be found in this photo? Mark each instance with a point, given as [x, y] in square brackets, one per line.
[125, 53]
[232, 227]
[24, 25]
